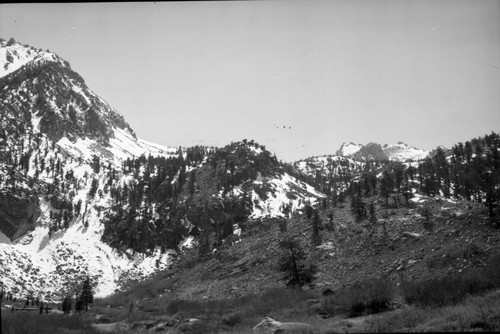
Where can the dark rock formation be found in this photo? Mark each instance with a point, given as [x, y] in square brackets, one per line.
[18, 214]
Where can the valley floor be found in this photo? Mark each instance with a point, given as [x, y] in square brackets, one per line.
[476, 313]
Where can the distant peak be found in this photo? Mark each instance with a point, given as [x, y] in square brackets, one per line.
[348, 149]
[404, 152]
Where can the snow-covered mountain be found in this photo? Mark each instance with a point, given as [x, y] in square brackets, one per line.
[81, 195]
[403, 152]
[53, 128]
[41, 92]
[372, 151]
[348, 149]
[15, 55]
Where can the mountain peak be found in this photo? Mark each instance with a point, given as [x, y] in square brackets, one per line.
[348, 149]
[15, 55]
[404, 152]
[374, 151]
[44, 96]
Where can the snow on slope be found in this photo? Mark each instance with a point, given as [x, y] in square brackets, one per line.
[398, 152]
[15, 55]
[299, 194]
[122, 146]
[270, 194]
[47, 264]
[348, 149]
[37, 263]
[403, 152]
[327, 165]
[70, 103]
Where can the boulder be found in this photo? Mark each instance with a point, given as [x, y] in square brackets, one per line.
[412, 235]
[271, 326]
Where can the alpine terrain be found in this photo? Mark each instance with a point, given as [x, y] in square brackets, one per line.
[82, 195]
[178, 233]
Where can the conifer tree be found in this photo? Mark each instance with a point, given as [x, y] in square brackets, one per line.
[78, 305]
[204, 247]
[341, 199]
[86, 297]
[309, 211]
[66, 305]
[330, 221]
[93, 188]
[373, 215]
[283, 225]
[292, 263]
[316, 237]
[386, 185]
[192, 181]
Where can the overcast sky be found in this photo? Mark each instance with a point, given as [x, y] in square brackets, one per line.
[298, 77]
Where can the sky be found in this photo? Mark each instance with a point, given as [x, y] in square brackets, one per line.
[299, 77]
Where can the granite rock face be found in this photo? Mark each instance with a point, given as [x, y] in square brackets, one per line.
[18, 214]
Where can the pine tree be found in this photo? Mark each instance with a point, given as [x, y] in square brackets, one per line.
[386, 185]
[426, 212]
[373, 215]
[67, 304]
[192, 181]
[283, 225]
[86, 297]
[330, 221]
[93, 188]
[204, 246]
[407, 191]
[292, 263]
[309, 211]
[78, 305]
[358, 207]
[341, 199]
[316, 237]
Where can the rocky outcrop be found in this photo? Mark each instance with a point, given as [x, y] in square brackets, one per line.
[18, 214]
[371, 151]
[269, 325]
[348, 149]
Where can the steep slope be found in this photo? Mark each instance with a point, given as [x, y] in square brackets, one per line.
[15, 55]
[55, 136]
[351, 250]
[81, 195]
[41, 94]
